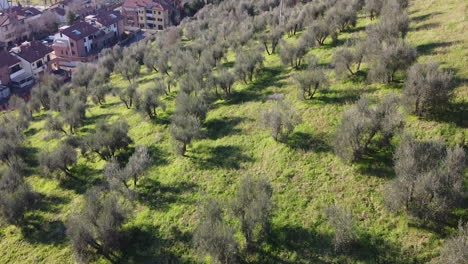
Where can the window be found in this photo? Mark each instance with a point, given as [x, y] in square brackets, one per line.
[15, 68]
[72, 44]
[48, 58]
[160, 19]
[159, 12]
[39, 64]
[73, 53]
[160, 27]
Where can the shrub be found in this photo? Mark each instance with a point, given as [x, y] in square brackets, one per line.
[107, 140]
[427, 90]
[455, 250]
[213, 236]
[96, 229]
[343, 224]
[280, 120]
[361, 124]
[429, 181]
[16, 197]
[58, 161]
[310, 81]
[253, 207]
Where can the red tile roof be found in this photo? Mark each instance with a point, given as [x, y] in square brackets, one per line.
[25, 11]
[108, 18]
[34, 51]
[7, 60]
[79, 30]
[148, 4]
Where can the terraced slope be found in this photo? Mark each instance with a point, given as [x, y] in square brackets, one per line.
[305, 173]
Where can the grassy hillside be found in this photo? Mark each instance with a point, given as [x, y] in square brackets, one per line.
[305, 174]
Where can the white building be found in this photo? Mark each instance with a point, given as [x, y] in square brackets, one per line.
[34, 57]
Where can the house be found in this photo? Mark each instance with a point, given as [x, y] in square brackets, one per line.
[34, 57]
[82, 41]
[14, 24]
[80, 7]
[145, 14]
[11, 72]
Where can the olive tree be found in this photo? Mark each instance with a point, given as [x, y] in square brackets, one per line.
[16, 197]
[280, 119]
[59, 161]
[127, 95]
[344, 227]
[184, 128]
[133, 170]
[96, 228]
[253, 206]
[292, 54]
[248, 63]
[427, 89]
[107, 140]
[388, 59]
[363, 126]
[129, 68]
[310, 81]
[429, 183]
[148, 102]
[213, 236]
[455, 250]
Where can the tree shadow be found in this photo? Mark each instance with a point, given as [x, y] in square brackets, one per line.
[93, 119]
[86, 178]
[421, 18]
[376, 249]
[37, 229]
[222, 127]
[456, 113]
[306, 244]
[226, 157]
[145, 245]
[308, 142]
[341, 97]
[255, 91]
[29, 156]
[158, 156]
[377, 163]
[426, 49]
[427, 26]
[159, 196]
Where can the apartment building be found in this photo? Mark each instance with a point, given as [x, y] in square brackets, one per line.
[145, 14]
[82, 41]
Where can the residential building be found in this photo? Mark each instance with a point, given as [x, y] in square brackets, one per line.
[14, 24]
[80, 7]
[34, 57]
[11, 72]
[145, 14]
[82, 41]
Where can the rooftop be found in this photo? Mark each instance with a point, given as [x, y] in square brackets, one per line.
[79, 30]
[6, 59]
[148, 4]
[108, 18]
[32, 51]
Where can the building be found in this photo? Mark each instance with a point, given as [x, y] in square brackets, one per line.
[14, 24]
[145, 14]
[11, 72]
[34, 57]
[82, 41]
[80, 7]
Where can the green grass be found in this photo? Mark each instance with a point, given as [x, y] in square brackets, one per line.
[306, 175]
